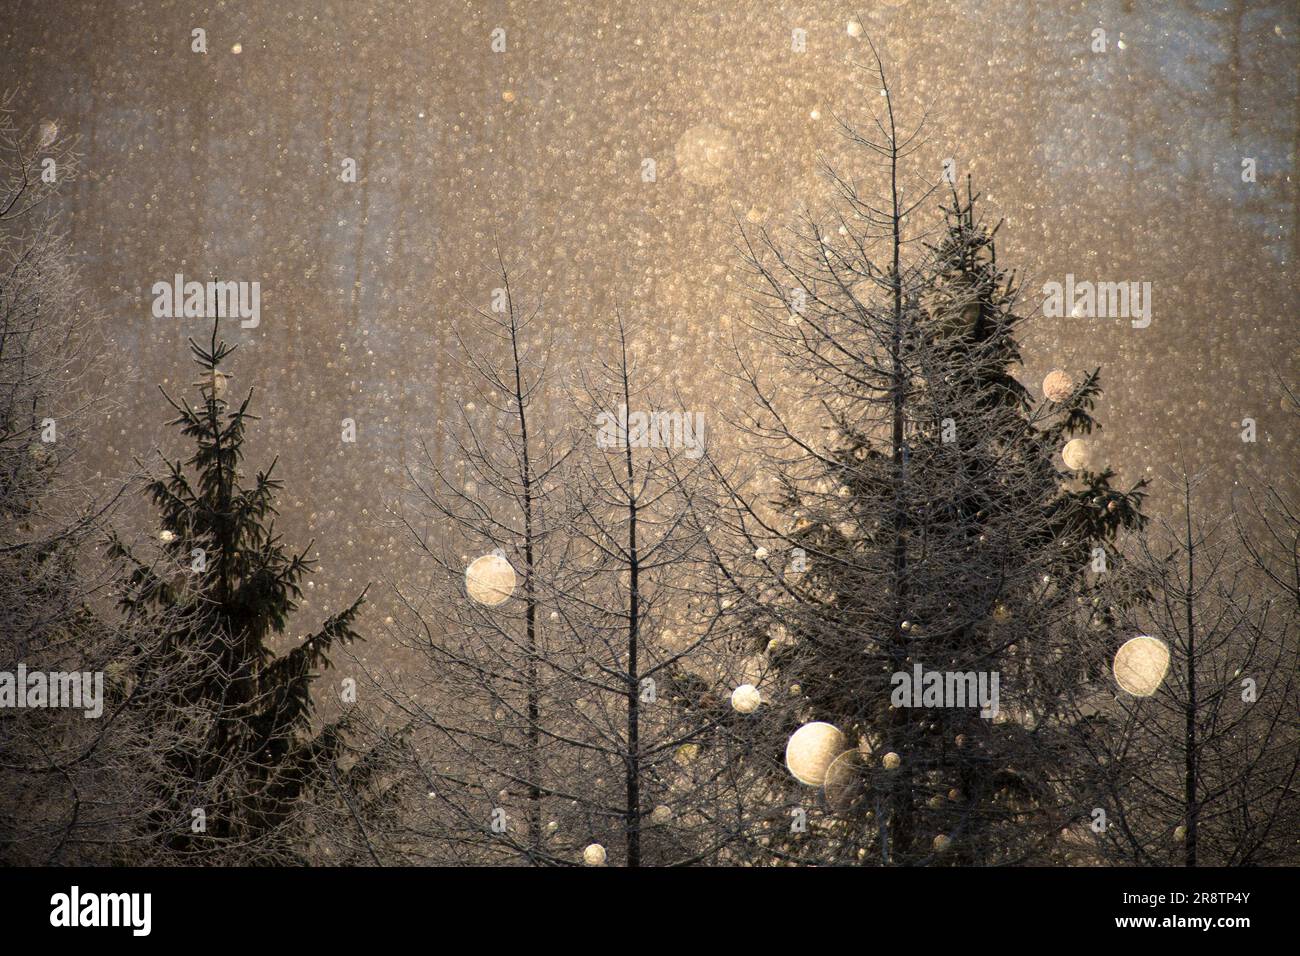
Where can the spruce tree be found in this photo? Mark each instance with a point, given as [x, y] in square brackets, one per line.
[224, 587]
[934, 524]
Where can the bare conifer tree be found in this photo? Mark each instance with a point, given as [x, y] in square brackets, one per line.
[555, 719]
[1198, 746]
[69, 791]
[668, 699]
[487, 518]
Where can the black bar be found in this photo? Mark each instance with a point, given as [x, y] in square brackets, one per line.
[750, 910]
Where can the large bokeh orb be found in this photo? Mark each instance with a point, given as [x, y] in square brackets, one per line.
[810, 751]
[746, 698]
[490, 580]
[1075, 454]
[1058, 386]
[1141, 665]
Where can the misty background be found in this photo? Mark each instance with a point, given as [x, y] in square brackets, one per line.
[1118, 166]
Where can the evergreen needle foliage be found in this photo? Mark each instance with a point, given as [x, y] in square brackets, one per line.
[222, 561]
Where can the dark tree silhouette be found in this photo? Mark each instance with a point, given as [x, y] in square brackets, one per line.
[243, 789]
[1202, 770]
[922, 489]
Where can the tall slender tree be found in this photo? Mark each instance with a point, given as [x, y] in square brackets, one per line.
[1195, 741]
[668, 700]
[486, 514]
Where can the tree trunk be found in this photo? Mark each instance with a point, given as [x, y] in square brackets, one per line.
[632, 811]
